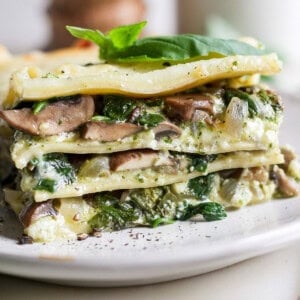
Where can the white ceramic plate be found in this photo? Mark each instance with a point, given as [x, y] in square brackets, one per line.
[175, 251]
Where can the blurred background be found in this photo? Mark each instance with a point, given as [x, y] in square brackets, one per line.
[39, 24]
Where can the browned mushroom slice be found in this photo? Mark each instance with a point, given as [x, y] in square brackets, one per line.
[35, 211]
[57, 117]
[166, 129]
[183, 107]
[137, 159]
[107, 132]
[286, 186]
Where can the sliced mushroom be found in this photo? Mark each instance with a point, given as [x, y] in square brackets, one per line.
[166, 129]
[137, 159]
[106, 132]
[286, 185]
[183, 107]
[57, 117]
[34, 211]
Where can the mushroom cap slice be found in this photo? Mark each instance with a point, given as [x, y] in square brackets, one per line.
[55, 118]
[108, 132]
[183, 107]
[166, 129]
[137, 159]
[34, 211]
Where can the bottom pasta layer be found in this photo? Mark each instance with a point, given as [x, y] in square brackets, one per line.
[206, 197]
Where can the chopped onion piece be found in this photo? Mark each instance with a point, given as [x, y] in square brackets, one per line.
[236, 113]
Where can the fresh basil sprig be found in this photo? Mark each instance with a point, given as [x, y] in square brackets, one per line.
[122, 45]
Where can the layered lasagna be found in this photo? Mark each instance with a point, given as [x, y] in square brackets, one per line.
[103, 146]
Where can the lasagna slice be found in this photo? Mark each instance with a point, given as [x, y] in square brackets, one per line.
[112, 145]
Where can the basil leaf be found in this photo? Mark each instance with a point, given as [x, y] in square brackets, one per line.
[94, 36]
[121, 45]
[125, 36]
[184, 47]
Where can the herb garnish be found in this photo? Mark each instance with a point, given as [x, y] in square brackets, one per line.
[122, 45]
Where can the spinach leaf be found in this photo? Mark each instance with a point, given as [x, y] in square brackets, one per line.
[201, 186]
[113, 214]
[149, 207]
[211, 211]
[154, 102]
[121, 45]
[150, 120]
[199, 162]
[147, 201]
[112, 218]
[52, 171]
[118, 108]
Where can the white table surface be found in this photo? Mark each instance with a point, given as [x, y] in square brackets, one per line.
[275, 276]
